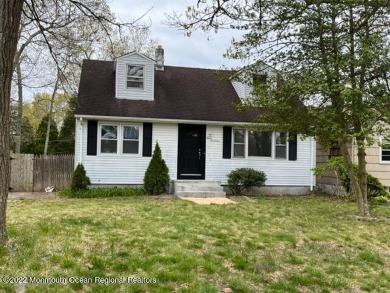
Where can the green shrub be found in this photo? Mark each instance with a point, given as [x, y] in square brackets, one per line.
[103, 192]
[379, 200]
[80, 180]
[245, 178]
[374, 187]
[156, 177]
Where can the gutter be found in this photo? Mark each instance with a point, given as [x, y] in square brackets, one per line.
[161, 120]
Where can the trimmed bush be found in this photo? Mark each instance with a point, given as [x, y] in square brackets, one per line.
[245, 178]
[103, 192]
[379, 200]
[156, 177]
[80, 180]
[374, 187]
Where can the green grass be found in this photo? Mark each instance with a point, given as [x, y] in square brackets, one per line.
[271, 245]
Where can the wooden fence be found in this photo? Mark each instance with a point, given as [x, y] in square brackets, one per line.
[35, 173]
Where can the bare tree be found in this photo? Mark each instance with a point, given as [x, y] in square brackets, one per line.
[10, 20]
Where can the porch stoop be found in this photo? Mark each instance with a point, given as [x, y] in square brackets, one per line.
[197, 188]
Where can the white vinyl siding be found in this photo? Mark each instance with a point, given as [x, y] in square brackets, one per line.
[279, 172]
[124, 169]
[122, 90]
[240, 88]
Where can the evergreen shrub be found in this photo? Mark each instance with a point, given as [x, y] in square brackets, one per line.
[156, 179]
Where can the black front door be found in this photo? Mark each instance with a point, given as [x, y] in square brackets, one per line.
[191, 151]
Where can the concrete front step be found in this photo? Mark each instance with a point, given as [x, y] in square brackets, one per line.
[198, 188]
[200, 194]
[190, 188]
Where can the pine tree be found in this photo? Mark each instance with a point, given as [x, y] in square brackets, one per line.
[41, 135]
[67, 132]
[156, 177]
[80, 180]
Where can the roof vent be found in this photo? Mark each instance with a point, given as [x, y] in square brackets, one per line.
[159, 56]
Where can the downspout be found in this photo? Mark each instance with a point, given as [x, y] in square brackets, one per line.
[312, 163]
[81, 140]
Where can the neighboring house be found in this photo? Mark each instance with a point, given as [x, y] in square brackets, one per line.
[126, 106]
[377, 158]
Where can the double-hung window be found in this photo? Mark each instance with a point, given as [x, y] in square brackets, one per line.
[135, 76]
[239, 143]
[385, 150]
[108, 139]
[280, 145]
[130, 139]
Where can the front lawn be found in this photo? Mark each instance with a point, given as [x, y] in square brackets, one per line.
[268, 245]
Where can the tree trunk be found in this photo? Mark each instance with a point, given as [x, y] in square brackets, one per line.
[10, 14]
[364, 210]
[18, 136]
[358, 182]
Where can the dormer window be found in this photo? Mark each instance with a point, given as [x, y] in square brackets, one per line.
[259, 79]
[135, 76]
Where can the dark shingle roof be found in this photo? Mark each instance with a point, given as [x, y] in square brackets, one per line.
[180, 93]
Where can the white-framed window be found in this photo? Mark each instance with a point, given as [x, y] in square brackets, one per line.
[239, 143]
[125, 139]
[385, 151]
[264, 144]
[280, 145]
[130, 139]
[259, 143]
[108, 139]
[135, 76]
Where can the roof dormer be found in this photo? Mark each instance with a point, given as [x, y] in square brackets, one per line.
[134, 77]
[245, 80]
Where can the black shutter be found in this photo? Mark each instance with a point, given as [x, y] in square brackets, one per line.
[227, 142]
[292, 147]
[92, 138]
[147, 140]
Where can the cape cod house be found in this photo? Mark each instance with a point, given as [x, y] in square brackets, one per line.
[126, 106]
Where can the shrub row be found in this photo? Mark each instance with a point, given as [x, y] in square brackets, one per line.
[103, 192]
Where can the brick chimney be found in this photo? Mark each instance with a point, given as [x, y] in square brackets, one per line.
[159, 56]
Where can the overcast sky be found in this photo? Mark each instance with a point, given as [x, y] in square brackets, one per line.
[194, 51]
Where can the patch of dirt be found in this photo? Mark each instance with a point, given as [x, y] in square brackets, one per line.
[32, 195]
[209, 200]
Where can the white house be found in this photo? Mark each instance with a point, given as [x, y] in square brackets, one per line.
[124, 107]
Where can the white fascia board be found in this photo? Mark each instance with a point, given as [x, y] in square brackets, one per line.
[120, 118]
